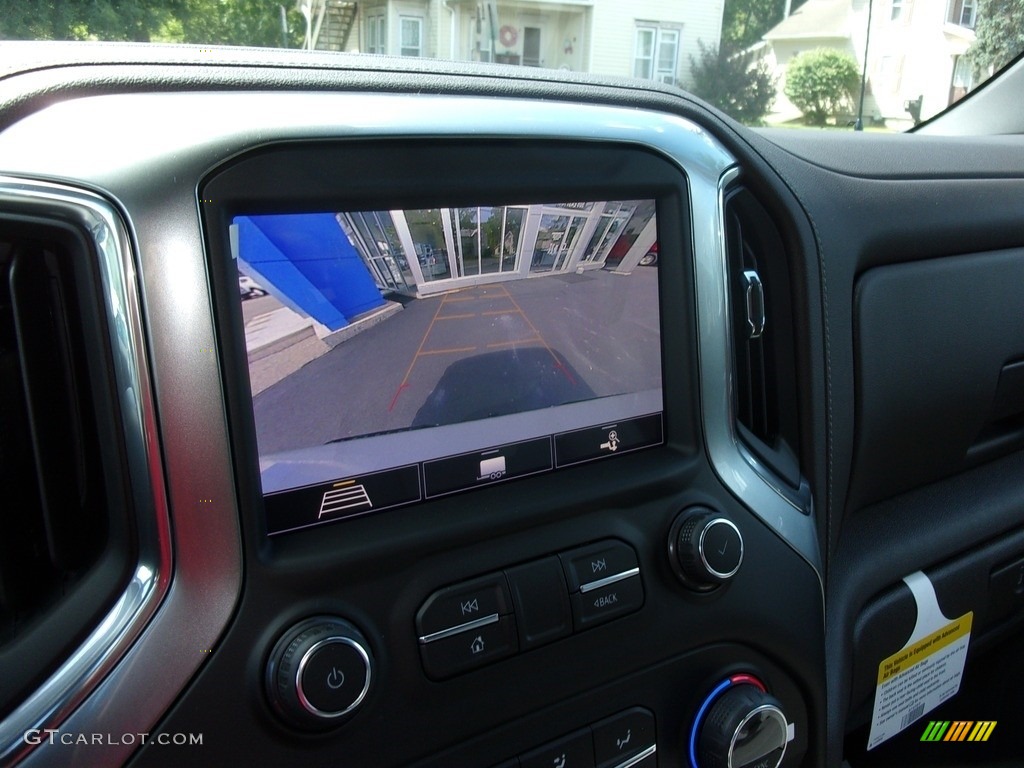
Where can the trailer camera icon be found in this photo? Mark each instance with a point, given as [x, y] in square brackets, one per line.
[492, 469]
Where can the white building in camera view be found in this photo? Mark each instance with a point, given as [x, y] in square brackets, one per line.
[916, 51]
[651, 39]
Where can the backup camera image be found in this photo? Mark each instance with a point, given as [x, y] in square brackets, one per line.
[399, 355]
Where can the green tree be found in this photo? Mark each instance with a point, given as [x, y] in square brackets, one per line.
[744, 22]
[1000, 35]
[240, 22]
[204, 22]
[137, 20]
[729, 80]
[821, 83]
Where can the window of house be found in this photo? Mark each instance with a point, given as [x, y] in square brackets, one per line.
[643, 65]
[376, 34]
[657, 54]
[967, 13]
[411, 36]
[963, 74]
[962, 12]
[897, 9]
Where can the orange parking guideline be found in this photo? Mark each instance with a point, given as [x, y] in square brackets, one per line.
[515, 343]
[405, 379]
[449, 351]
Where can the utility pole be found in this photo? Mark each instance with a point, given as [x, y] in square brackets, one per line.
[859, 125]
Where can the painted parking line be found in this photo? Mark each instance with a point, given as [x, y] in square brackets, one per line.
[405, 380]
[449, 351]
[516, 343]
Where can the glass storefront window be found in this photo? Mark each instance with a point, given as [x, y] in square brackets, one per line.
[555, 241]
[511, 234]
[549, 237]
[368, 249]
[481, 243]
[634, 224]
[427, 233]
[613, 218]
[387, 249]
[373, 235]
[468, 237]
[491, 220]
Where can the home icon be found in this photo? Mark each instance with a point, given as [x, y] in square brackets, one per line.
[477, 646]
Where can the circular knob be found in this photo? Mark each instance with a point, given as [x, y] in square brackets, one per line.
[741, 726]
[706, 549]
[319, 672]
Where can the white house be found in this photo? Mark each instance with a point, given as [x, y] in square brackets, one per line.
[651, 39]
[915, 51]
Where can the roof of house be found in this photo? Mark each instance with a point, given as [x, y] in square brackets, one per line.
[815, 19]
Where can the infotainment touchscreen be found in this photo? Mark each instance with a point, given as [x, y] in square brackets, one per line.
[397, 356]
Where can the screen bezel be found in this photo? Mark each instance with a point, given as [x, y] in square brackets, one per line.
[293, 177]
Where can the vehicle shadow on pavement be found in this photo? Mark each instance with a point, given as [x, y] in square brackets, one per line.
[501, 383]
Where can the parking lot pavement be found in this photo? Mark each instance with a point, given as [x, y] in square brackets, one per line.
[471, 353]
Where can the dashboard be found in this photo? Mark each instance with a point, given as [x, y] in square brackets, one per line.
[567, 424]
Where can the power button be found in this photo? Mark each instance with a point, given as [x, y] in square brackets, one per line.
[319, 672]
[333, 677]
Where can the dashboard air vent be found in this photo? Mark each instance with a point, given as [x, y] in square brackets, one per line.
[763, 349]
[60, 511]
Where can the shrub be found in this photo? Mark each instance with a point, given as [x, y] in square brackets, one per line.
[822, 83]
[728, 81]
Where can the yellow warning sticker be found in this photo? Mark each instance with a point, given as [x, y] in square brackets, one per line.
[919, 677]
[921, 650]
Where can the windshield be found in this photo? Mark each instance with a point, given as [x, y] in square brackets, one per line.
[829, 64]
